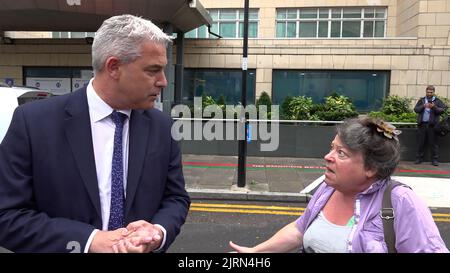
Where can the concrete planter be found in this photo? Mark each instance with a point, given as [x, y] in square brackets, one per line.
[303, 140]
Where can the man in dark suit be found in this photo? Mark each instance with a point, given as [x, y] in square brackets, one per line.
[428, 110]
[97, 170]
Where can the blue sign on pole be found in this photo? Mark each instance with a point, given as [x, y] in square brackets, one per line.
[9, 81]
[249, 132]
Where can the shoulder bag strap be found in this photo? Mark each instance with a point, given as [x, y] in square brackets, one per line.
[387, 214]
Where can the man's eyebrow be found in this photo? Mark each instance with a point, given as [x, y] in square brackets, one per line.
[152, 66]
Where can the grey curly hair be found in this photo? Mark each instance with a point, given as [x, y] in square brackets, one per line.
[380, 153]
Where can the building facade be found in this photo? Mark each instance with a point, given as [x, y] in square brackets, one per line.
[364, 49]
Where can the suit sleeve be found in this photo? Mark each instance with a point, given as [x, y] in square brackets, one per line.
[23, 227]
[440, 107]
[175, 204]
[419, 106]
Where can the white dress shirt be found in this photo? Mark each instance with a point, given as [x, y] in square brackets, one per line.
[102, 128]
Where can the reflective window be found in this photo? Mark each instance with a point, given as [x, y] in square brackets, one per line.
[331, 22]
[366, 89]
[228, 23]
[217, 83]
[65, 34]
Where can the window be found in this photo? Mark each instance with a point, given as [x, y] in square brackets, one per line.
[228, 23]
[65, 34]
[57, 80]
[366, 89]
[217, 82]
[331, 23]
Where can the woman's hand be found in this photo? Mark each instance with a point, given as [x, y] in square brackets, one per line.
[241, 249]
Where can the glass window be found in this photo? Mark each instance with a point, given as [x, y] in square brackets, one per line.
[202, 31]
[227, 14]
[228, 23]
[323, 13]
[191, 34]
[336, 13]
[215, 28]
[307, 29]
[331, 22]
[368, 29]
[281, 14]
[352, 13]
[291, 29]
[214, 14]
[57, 80]
[291, 14]
[252, 29]
[252, 15]
[323, 29]
[217, 83]
[380, 13]
[78, 35]
[281, 29]
[366, 89]
[351, 28]
[308, 13]
[227, 29]
[379, 28]
[369, 13]
[336, 29]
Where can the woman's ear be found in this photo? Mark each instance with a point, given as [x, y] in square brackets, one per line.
[370, 173]
[112, 66]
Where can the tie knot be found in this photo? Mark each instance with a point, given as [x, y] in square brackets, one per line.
[118, 118]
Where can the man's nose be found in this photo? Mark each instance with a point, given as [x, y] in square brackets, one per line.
[161, 81]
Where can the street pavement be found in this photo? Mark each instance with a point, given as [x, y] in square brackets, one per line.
[284, 179]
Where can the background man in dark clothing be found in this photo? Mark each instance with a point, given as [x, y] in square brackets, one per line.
[428, 108]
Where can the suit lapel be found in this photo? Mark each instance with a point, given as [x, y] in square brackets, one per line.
[139, 137]
[79, 136]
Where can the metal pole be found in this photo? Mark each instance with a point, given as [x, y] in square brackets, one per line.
[242, 153]
[179, 68]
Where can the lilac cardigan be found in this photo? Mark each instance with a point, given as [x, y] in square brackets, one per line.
[415, 230]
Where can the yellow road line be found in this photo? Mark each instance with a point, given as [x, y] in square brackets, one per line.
[277, 210]
[441, 214]
[245, 206]
[441, 219]
[247, 211]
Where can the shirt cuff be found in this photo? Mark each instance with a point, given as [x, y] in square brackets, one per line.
[163, 240]
[89, 241]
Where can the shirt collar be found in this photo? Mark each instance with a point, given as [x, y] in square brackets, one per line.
[375, 186]
[98, 108]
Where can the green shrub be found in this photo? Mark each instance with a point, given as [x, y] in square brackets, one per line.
[395, 105]
[207, 100]
[447, 103]
[335, 108]
[395, 109]
[285, 112]
[221, 101]
[264, 99]
[300, 108]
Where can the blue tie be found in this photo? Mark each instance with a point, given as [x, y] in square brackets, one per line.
[116, 218]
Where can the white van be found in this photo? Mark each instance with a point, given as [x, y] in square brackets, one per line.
[10, 98]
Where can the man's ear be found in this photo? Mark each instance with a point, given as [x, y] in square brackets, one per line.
[112, 66]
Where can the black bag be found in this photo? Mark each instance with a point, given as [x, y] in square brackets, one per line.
[443, 127]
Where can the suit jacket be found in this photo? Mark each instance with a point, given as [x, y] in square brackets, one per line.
[437, 110]
[49, 197]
